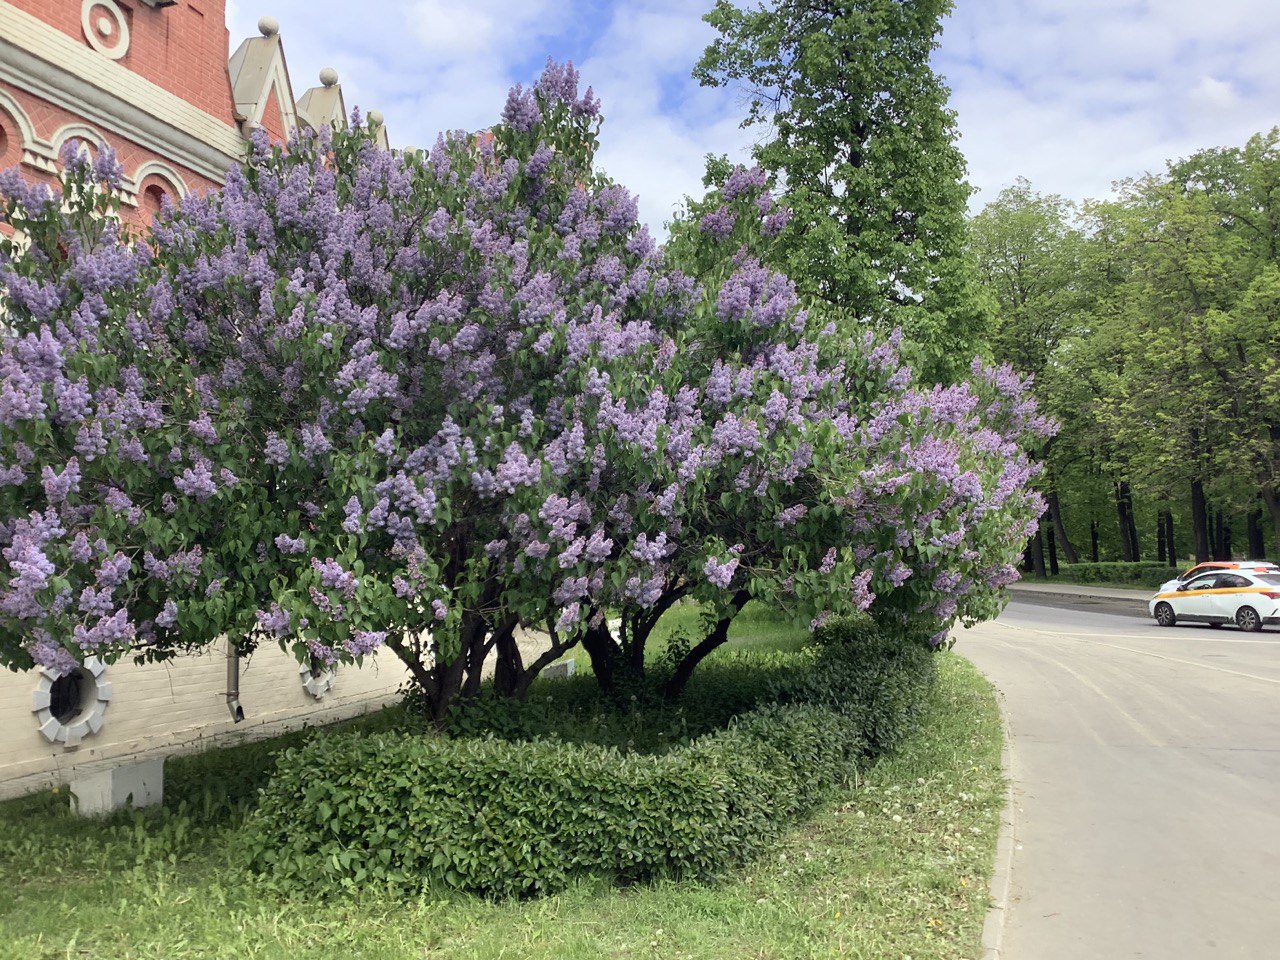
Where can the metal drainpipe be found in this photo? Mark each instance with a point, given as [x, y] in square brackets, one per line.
[233, 683]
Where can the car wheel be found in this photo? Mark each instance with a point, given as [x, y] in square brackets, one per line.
[1247, 619]
[1164, 615]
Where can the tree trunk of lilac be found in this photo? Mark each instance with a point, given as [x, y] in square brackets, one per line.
[509, 669]
[684, 670]
[604, 652]
[477, 653]
[1053, 550]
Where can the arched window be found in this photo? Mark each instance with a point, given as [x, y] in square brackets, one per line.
[151, 202]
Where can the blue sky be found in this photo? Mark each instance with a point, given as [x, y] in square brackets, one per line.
[1072, 94]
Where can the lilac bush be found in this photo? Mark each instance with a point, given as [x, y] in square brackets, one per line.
[364, 399]
[93, 400]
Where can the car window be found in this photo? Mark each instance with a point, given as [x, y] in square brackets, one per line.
[1202, 582]
[1271, 579]
[1230, 581]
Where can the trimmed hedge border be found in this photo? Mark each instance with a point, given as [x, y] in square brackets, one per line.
[1139, 574]
[503, 818]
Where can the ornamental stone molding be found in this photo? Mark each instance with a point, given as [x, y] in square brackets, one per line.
[317, 683]
[105, 27]
[87, 718]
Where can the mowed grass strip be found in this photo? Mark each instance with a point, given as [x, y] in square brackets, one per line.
[897, 867]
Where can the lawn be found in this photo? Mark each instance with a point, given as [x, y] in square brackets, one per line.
[896, 866]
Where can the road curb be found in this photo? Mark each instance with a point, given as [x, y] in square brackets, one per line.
[1002, 877]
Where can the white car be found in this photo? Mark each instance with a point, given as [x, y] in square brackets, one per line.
[1212, 566]
[1245, 598]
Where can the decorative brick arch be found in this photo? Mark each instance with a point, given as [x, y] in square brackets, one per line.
[19, 133]
[162, 171]
[151, 184]
[81, 131]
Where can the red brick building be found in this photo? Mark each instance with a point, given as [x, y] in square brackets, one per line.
[152, 79]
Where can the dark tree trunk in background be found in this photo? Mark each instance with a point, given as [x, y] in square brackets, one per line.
[1161, 554]
[1053, 550]
[1059, 528]
[1199, 521]
[1228, 547]
[1093, 540]
[1271, 497]
[1170, 543]
[1218, 539]
[1257, 542]
[1134, 543]
[1129, 550]
[1035, 555]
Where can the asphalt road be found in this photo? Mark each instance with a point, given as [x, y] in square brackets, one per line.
[1146, 770]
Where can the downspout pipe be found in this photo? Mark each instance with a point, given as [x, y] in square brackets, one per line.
[233, 682]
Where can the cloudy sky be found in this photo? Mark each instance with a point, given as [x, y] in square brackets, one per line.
[1072, 94]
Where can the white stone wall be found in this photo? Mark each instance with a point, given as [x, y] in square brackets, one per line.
[180, 707]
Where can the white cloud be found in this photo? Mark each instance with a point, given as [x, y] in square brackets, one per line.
[480, 31]
[1076, 95]
[659, 125]
[1072, 94]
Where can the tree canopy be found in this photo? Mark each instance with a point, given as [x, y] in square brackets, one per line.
[859, 133]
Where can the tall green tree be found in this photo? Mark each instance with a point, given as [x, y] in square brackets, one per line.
[1028, 250]
[864, 145]
[1238, 192]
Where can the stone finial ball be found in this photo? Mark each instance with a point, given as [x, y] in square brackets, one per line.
[268, 26]
[375, 117]
[329, 77]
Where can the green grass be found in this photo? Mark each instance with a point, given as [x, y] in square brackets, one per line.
[896, 867]
[755, 628]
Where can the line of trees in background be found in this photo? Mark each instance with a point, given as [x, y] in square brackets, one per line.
[1151, 322]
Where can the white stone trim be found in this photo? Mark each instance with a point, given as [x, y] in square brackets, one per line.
[164, 172]
[319, 684]
[82, 131]
[88, 721]
[34, 151]
[59, 69]
[89, 26]
[252, 94]
[14, 109]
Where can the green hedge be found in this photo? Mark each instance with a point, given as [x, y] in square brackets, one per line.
[729, 683]
[516, 817]
[1138, 574]
[507, 818]
[878, 680]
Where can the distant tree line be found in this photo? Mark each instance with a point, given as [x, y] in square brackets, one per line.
[1152, 325]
